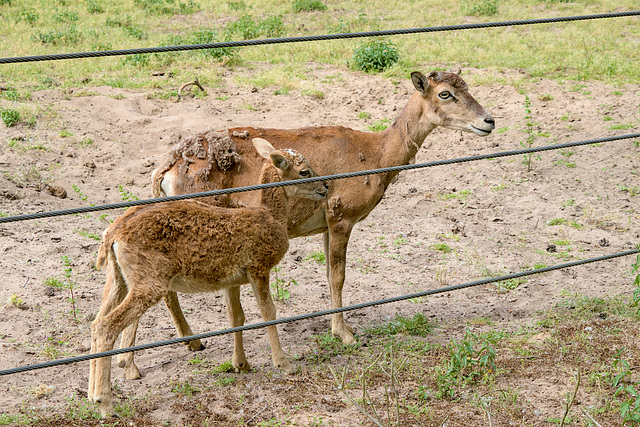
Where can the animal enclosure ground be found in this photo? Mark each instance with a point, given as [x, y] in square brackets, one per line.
[435, 227]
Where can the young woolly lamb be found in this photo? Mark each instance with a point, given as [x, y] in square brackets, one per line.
[189, 246]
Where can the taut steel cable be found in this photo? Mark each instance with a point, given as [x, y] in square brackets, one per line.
[312, 315]
[86, 209]
[243, 43]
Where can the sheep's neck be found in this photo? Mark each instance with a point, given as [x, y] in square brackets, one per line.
[274, 199]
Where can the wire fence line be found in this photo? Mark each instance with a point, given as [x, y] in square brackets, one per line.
[244, 43]
[119, 205]
[314, 314]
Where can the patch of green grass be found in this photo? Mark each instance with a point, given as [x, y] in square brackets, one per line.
[479, 7]
[183, 388]
[308, 6]
[442, 247]
[454, 195]
[89, 235]
[563, 221]
[167, 7]
[418, 325]
[317, 257]
[67, 36]
[621, 126]
[380, 125]
[565, 162]
[9, 116]
[329, 346]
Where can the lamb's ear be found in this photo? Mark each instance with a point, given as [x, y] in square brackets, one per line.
[420, 82]
[263, 146]
[279, 160]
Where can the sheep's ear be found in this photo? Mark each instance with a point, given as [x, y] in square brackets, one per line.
[279, 160]
[263, 146]
[420, 82]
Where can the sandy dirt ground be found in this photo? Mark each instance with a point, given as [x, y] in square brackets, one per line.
[100, 144]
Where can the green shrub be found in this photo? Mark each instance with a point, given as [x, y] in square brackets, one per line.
[376, 55]
[9, 117]
[308, 5]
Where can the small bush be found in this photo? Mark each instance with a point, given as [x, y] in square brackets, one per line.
[308, 5]
[376, 55]
[9, 117]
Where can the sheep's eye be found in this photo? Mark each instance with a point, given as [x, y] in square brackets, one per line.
[305, 172]
[444, 94]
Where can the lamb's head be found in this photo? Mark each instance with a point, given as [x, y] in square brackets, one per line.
[291, 165]
[448, 103]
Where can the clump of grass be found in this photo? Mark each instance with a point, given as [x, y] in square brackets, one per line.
[418, 325]
[67, 36]
[317, 257]
[9, 116]
[328, 347]
[375, 56]
[308, 5]
[380, 125]
[480, 8]
[201, 36]
[167, 7]
[246, 27]
[29, 16]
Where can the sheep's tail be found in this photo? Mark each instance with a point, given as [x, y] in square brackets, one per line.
[105, 247]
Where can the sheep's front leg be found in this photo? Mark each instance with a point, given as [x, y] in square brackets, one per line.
[260, 284]
[236, 318]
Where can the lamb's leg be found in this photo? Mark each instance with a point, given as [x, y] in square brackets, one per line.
[112, 296]
[260, 284]
[104, 331]
[236, 318]
[335, 248]
[172, 303]
[125, 360]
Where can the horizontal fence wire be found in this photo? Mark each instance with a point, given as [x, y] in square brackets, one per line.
[314, 314]
[244, 43]
[119, 205]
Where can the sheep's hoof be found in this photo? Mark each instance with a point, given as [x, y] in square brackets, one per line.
[287, 367]
[195, 345]
[242, 367]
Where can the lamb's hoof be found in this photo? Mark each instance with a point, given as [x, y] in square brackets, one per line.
[132, 373]
[242, 367]
[195, 345]
[345, 335]
[286, 367]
